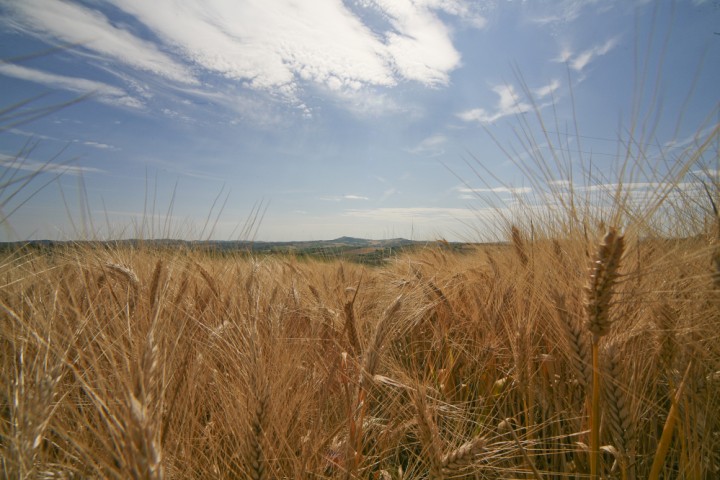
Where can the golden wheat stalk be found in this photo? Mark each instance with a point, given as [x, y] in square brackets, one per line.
[668, 429]
[507, 425]
[603, 277]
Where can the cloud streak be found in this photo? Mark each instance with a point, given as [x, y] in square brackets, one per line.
[75, 24]
[583, 59]
[509, 103]
[473, 193]
[340, 198]
[432, 145]
[15, 163]
[101, 91]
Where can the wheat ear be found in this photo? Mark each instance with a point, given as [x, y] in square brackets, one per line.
[258, 399]
[580, 351]
[370, 363]
[519, 245]
[144, 450]
[462, 456]
[603, 277]
[155, 284]
[619, 414]
[429, 436]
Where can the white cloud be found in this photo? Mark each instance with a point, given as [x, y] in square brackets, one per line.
[546, 90]
[431, 145]
[510, 190]
[368, 102]
[14, 163]
[101, 91]
[73, 23]
[580, 61]
[565, 11]
[282, 48]
[420, 47]
[25, 133]
[564, 56]
[509, 103]
[468, 12]
[102, 146]
[339, 198]
[273, 45]
[693, 139]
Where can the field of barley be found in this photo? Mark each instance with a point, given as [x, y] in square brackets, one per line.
[589, 351]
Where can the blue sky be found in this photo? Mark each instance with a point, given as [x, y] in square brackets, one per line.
[359, 117]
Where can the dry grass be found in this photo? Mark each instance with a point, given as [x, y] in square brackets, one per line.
[142, 363]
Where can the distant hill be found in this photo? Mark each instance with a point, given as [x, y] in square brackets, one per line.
[350, 248]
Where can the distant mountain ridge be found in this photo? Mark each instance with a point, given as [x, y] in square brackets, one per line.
[374, 252]
[260, 244]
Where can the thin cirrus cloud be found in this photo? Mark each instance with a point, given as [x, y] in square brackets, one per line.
[277, 47]
[432, 145]
[101, 91]
[509, 103]
[583, 59]
[340, 198]
[34, 166]
[102, 146]
[75, 24]
[470, 193]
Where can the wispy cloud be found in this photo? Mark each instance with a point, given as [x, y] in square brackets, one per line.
[468, 193]
[546, 90]
[370, 102]
[102, 146]
[89, 143]
[101, 91]
[509, 103]
[25, 133]
[579, 61]
[76, 24]
[340, 198]
[694, 139]
[432, 145]
[469, 12]
[28, 165]
[565, 11]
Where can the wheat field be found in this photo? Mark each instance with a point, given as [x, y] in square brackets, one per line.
[591, 354]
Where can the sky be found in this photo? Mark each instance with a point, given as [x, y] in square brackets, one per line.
[281, 120]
